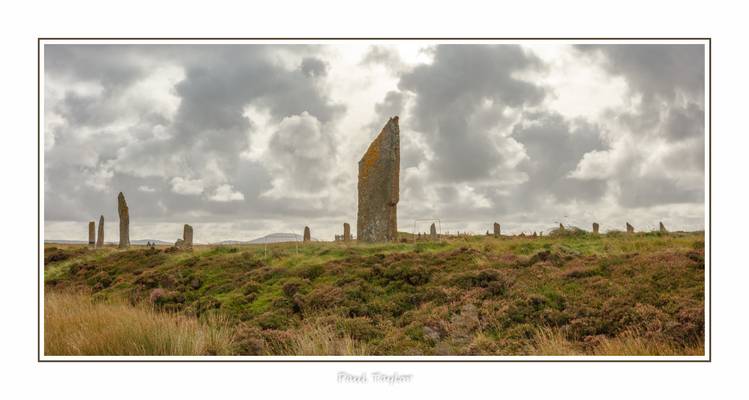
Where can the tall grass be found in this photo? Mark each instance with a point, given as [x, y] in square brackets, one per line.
[320, 340]
[74, 325]
[552, 342]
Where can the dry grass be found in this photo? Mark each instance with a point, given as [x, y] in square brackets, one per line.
[551, 342]
[320, 340]
[74, 325]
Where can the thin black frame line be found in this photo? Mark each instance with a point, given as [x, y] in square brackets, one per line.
[372, 38]
[710, 196]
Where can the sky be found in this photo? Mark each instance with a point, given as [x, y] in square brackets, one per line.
[244, 140]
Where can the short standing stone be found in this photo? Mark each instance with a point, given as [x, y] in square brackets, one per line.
[346, 232]
[307, 236]
[630, 228]
[662, 228]
[595, 228]
[91, 233]
[124, 214]
[433, 232]
[378, 187]
[497, 230]
[100, 236]
[561, 228]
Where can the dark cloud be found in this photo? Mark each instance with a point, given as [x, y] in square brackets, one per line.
[554, 147]
[312, 67]
[660, 70]
[460, 97]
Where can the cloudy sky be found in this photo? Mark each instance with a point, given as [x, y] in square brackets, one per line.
[242, 140]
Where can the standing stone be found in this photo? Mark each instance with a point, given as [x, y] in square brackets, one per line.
[186, 241]
[662, 228]
[307, 235]
[433, 232]
[379, 171]
[346, 232]
[100, 235]
[630, 228]
[561, 227]
[187, 235]
[91, 233]
[497, 230]
[124, 221]
[595, 228]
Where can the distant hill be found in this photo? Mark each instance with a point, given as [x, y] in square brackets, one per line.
[278, 238]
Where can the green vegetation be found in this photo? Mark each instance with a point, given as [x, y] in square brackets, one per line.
[564, 294]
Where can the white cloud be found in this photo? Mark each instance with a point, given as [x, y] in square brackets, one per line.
[147, 189]
[187, 186]
[226, 193]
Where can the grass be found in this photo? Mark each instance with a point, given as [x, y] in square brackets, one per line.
[560, 294]
[74, 325]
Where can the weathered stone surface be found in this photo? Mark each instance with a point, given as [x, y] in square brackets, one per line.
[378, 188]
[124, 214]
[346, 232]
[497, 230]
[187, 235]
[630, 228]
[433, 232]
[307, 236]
[100, 233]
[662, 228]
[92, 233]
[595, 228]
[180, 243]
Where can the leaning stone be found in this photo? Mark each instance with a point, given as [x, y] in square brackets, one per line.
[378, 187]
[100, 236]
[561, 228]
[630, 228]
[662, 228]
[91, 233]
[307, 236]
[595, 228]
[124, 214]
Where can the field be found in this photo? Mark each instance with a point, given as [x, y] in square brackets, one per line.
[570, 294]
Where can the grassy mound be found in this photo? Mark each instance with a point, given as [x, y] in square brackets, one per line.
[571, 294]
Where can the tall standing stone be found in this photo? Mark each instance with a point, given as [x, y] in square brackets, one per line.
[124, 213]
[662, 228]
[630, 228]
[100, 233]
[595, 228]
[433, 232]
[346, 232]
[497, 230]
[187, 235]
[307, 236]
[91, 233]
[378, 189]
